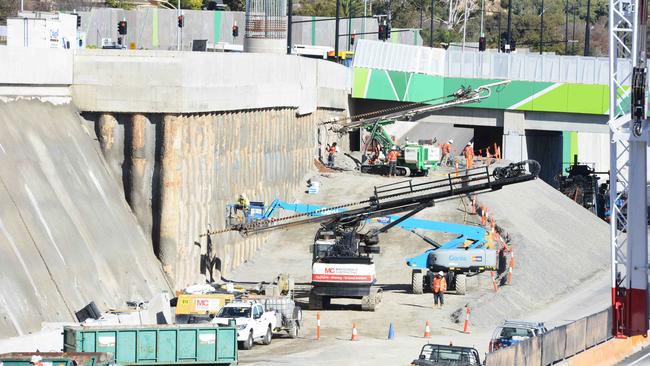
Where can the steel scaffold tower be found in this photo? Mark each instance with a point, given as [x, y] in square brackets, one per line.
[628, 147]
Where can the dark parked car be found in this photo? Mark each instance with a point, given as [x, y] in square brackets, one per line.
[443, 355]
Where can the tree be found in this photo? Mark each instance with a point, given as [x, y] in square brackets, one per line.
[8, 8]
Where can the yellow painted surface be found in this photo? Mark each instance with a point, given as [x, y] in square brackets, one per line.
[608, 353]
[201, 304]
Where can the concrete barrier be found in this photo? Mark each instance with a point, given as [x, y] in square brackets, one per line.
[598, 328]
[576, 334]
[529, 352]
[504, 356]
[609, 353]
[553, 345]
[562, 343]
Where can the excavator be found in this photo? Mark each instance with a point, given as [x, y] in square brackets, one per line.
[415, 159]
[342, 251]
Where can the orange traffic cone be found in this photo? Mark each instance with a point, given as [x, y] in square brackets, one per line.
[318, 325]
[427, 330]
[467, 312]
[494, 282]
[355, 335]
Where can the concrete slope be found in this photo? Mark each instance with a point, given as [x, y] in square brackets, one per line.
[559, 247]
[67, 237]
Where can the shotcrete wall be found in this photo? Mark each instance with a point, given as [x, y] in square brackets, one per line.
[66, 235]
[180, 171]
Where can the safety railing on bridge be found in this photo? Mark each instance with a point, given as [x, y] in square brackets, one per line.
[484, 65]
[558, 344]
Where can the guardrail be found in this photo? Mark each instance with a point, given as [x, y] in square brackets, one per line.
[558, 344]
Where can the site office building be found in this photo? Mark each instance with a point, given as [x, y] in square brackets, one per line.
[44, 30]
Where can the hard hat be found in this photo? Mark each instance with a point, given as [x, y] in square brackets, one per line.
[243, 195]
[394, 147]
[441, 273]
[469, 144]
[36, 359]
[451, 141]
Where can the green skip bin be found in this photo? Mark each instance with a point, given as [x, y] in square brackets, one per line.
[157, 344]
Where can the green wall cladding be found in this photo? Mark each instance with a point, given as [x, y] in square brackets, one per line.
[517, 95]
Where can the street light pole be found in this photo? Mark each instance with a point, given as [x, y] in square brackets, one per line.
[431, 28]
[541, 31]
[588, 28]
[507, 46]
[482, 11]
[566, 27]
[465, 26]
[336, 30]
[178, 31]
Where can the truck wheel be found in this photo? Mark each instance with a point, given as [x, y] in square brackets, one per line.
[461, 284]
[416, 282]
[315, 302]
[248, 343]
[268, 336]
[326, 301]
[293, 330]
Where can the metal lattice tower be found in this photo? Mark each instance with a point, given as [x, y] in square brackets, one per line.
[628, 169]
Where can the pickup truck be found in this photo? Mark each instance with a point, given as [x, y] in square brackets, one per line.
[253, 323]
[512, 332]
[443, 355]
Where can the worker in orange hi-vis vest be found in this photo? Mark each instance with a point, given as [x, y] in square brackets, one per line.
[392, 161]
[439, 286]
[468, 153]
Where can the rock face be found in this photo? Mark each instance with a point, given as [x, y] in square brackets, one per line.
[67, 236]
[180, 171]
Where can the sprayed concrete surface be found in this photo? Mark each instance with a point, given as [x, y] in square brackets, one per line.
[180, 172]
[66, 235]
[529, 298]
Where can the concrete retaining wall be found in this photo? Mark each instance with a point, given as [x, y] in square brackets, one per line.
[180, 171]
[66, 235]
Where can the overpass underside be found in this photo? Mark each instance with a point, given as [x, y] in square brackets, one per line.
[548, 137]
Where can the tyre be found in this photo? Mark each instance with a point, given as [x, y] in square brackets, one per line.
[268, 336]
[461, 284]
[293, 330]
[327, 301]
[248, 343]
[315, 302]
[417, 278]
[450, 277]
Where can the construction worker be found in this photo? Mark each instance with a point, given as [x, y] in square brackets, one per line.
[393, 154]
[446, 153]
[439, 286]
[468, 153]
[243, 205]
[36, 360]
[331, 154]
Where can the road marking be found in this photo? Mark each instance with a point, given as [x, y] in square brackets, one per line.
[639, 360]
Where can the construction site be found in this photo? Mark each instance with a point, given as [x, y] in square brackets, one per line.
[258, 201]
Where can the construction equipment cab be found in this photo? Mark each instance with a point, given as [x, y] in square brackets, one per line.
[437, 354]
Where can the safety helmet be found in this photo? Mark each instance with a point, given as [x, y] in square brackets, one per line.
[36, 359]
[441, 273]
[451, 141]
[394, 147]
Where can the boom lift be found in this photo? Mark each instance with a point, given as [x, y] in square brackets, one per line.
[415, 159]
[342, 263]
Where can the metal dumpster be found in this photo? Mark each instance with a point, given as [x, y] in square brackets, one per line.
[157, 344]
[57, 359]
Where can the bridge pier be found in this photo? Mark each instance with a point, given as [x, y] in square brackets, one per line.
[514, 136]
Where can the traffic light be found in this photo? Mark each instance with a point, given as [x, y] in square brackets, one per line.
[513, 45]
[235, 30]
[382, 32]
[387, 35]
[78, 19]
[352, 39]
[181, 21]
[481, 43]
[121, 27]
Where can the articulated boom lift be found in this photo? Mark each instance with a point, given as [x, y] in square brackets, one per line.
[342, 264]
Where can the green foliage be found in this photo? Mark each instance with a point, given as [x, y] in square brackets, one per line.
[236, 5]
[122, 4]
[190, 4]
